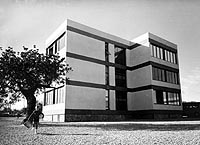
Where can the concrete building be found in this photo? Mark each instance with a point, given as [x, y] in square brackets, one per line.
[113, 78]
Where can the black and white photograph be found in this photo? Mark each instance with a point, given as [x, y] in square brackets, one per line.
[99, 72]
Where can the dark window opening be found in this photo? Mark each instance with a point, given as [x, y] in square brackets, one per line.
[107, 83]
[120, 78]
[121, 100]
[51, 50]
[120, 55]
[159, 97]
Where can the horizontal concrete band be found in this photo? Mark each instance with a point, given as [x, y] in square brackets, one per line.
[88, 34]
[101, 86]
[131, 68]
[117, 112]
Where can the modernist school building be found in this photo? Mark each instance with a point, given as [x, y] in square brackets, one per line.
[113, 78]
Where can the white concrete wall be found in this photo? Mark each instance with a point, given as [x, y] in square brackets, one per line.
[166, 107]
[166, 63]
[51, 111]
[139, 77]
[86, 71]
[85, 98]
[142, 39]
[141, 100]
[138, 55]
[91, 72]
[86, 46]
[165, 84]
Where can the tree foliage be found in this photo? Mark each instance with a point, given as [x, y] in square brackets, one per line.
[27, 72]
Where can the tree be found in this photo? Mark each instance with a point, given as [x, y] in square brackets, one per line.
[28, 72]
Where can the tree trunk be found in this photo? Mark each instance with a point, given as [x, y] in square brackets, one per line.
[31, 103]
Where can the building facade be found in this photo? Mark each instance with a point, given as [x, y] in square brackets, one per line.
[113, 78]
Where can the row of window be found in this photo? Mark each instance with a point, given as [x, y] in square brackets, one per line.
[56, 46]
[163, 54]
[167, 98]
[54, 96]
[165, 75]
[120, 77]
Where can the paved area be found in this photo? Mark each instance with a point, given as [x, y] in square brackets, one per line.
[101, 133]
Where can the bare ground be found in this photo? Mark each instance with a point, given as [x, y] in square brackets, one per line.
[101, 133]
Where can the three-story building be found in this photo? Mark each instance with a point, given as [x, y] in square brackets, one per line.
[113, 78]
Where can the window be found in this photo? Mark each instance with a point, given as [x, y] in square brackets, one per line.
[168, 56]
[154, 50]
[106, 66]
[159, 97]
[120, 74]
[51, 50]
[107, 99]
[56, 46]
[167, 98]
[158, 74]
[107, 83]
[120, 78]
[174, 57]
[162, 53]
[54, 96]
[61, 42]
[165, 75]
[121, 100]
[158, 52]
[120, 55]
[56, 50]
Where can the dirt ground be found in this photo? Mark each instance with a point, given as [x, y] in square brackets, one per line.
[101, 133]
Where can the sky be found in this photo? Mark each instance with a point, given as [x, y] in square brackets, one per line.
[30, 22]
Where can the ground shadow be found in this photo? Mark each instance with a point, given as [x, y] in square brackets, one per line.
[117, 126]
[81, 134]
[132, 126]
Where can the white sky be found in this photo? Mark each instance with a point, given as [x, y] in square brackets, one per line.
[29, 22]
